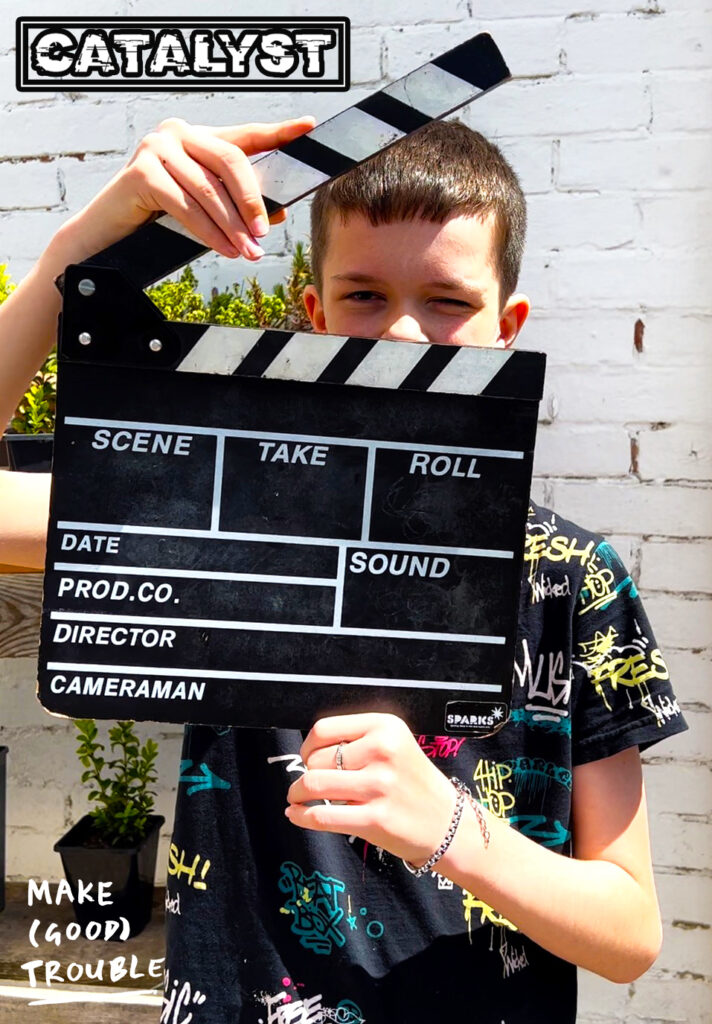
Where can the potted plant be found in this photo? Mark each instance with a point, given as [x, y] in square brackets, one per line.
[116, 842]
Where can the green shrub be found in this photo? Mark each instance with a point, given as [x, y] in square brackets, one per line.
[6, 285]
[119, 785]
[245, 305]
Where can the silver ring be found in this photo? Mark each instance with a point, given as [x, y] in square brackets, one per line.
[340, 755]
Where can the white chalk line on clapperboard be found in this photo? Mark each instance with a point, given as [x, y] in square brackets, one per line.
[288, 677]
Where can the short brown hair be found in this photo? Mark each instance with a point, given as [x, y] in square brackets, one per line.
[443, 168]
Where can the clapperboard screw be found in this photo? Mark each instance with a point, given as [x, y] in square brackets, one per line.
[85, 338]
[155, 345]
[86, 286]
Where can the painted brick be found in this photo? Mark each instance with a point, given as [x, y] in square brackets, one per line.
[562, 221]
[13, 9]
[530, 158]
[47, 804]
[685, 950]
[671, 999]
[678, 788]
[612, 506]
[696, 743]
[626, 548]
[607, 279]
[677, 338]
[629, 43]
[581, 339]
[366, 51]
[680, 621]
[24, 234]
[530, 53]
[553, 106]
[589, 341]
[537, 277]
[29, 185]
[524, 9]
[83, 179]
[684, 897]
[8, 90]
[399, 12]
[685, 566]
[563, 449]
[86, 127]
[682, 101]
[639, 395]
[44, 754]
[224, 108]
[676, 221]
[682, 842]
[600, 1000]
[20, 707]
[647, 163]
[691, 674]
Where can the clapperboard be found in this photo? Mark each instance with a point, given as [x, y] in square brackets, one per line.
[257, 527]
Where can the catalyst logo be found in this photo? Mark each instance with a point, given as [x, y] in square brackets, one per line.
[475, 717]
[159, 54]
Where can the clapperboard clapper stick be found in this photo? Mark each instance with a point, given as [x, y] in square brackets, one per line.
[256, 527]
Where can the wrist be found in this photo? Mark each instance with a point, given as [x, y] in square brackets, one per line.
[455, 797]
[466, 855]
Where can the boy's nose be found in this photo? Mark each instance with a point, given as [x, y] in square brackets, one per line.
[404, 328]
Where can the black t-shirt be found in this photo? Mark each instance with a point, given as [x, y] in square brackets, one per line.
[268, 923]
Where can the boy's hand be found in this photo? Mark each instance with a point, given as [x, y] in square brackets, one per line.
[198, 174]
[396, 798]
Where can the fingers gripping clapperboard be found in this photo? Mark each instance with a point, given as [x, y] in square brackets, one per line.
[257, 527]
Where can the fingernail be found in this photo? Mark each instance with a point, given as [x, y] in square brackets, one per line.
[260, 226]
[253, 250]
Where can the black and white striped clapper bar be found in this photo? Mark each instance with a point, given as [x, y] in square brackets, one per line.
[260, 527]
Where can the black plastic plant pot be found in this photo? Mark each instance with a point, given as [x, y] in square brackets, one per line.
[31, 453]
[3, 779]
[131, 871]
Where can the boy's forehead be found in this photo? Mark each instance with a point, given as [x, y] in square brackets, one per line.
[464, 239]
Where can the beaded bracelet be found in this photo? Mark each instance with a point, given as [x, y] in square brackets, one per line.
[462, 792]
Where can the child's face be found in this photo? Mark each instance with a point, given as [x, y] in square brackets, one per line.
[414, 281]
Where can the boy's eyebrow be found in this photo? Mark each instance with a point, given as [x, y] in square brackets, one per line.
[448, 284]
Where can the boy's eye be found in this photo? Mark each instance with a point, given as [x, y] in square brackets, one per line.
[452, 302]
[362, 296]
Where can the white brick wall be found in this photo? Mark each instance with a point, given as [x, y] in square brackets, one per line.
[608, 124]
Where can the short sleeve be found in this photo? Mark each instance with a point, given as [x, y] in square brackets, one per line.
[620, 680]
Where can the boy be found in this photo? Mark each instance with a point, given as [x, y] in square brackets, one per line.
[324, 921]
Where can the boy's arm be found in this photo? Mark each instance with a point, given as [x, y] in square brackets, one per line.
[198, 174]
[597, 910]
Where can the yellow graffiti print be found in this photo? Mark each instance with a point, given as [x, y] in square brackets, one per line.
[599, 585]
[634, 670]
[177, 866]
[556, 549]
[607, 664]
[490, 777]
[487, 914]
[594, 651]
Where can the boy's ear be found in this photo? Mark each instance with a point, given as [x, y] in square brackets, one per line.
[512, 319]
[314, 308]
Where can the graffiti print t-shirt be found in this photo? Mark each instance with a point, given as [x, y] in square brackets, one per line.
[268, 923]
